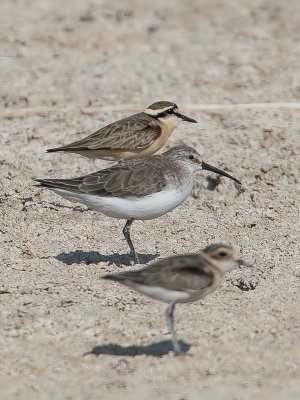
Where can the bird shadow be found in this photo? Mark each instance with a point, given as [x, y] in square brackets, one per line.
[213, 182]
[47, 204]
[158, 349]
[94, 257]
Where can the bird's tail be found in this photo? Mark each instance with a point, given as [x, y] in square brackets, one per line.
[65, 184]
[55, 149]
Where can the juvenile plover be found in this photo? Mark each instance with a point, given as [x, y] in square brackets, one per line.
[181, 279]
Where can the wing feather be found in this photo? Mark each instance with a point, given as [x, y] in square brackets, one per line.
[136, 131]
[188, 272]
[128, 178]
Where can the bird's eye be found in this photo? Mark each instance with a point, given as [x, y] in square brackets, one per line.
[191, 157]
[222, 253]
[170, 111]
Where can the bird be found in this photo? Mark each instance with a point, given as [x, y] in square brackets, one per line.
[138, 189]
[139, 135]
[181, 279]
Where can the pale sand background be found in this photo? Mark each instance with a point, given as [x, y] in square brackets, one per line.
[244, 344]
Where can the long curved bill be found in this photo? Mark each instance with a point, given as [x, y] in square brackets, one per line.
[217, 171]
[185, 118]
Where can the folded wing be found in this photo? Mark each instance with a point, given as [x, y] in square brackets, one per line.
[131, 178]
[136, 131]
[189, 272]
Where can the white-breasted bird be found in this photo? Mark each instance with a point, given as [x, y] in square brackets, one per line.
[142, 188]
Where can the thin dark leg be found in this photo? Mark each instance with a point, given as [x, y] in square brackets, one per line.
[170, 325]
[126, 233]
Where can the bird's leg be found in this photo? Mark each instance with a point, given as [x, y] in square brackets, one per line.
[126, 233]
[170, 325]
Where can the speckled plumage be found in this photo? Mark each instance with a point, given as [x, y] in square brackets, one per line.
[136, 131]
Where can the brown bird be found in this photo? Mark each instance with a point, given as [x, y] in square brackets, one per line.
[143, 188]
[181, 279]
[139, 135]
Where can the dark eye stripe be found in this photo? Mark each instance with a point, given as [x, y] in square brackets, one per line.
[164, 113]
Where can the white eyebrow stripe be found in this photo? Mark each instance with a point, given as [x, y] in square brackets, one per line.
[149, 111]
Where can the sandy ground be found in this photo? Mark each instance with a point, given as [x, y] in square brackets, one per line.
[243, 341]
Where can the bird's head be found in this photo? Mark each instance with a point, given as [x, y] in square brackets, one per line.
[167, 112]
[223, 256]
[192, 160]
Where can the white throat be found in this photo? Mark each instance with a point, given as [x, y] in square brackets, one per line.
[228, 266]
[171, 121]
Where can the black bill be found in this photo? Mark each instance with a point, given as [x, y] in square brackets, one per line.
[185, 118]
[218, 171]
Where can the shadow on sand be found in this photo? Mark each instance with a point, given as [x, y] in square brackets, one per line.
[94, 257]
[155, 349]
[52, 204]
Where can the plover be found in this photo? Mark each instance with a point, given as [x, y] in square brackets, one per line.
[143, 188]
[181, 279]
[139, 135]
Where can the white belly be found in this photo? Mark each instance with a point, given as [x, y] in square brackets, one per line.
[162, 294]
[148, 207]
[168, 295]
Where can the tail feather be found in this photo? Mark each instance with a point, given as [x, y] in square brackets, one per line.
[66, 148]
[45, 182]
[112, 277]
[65, 184]
[54, 149]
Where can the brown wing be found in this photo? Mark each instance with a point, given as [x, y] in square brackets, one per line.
[179, 273]
[129, 178]
[136, 131]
